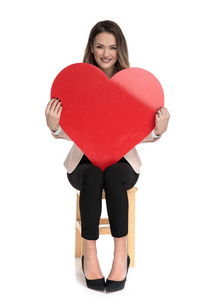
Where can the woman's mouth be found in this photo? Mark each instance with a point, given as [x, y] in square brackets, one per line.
[105, 60]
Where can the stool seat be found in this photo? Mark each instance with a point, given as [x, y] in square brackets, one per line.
[104, 226]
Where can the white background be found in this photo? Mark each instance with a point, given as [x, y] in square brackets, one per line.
[37, 212]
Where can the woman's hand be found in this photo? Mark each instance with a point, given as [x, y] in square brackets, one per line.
[161, 120]
[53, 113]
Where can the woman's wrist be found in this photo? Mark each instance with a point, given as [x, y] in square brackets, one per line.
[57, 131]
[54, 129]
[156, 131]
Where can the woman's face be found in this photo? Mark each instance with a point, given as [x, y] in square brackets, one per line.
[105, 51]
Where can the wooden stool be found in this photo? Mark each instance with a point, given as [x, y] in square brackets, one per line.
[104, 227]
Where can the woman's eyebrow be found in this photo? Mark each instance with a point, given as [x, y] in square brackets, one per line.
[109, 46]
[99, 44]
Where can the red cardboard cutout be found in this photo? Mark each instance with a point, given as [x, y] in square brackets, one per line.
[107, 118]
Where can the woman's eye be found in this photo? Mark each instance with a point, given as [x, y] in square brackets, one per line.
[113, 48]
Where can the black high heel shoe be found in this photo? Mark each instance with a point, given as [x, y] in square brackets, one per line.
[114, 286]
[94, 284]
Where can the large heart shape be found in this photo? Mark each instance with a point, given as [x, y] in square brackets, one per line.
[107, 118]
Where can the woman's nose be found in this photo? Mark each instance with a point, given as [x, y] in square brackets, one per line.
[106, 52]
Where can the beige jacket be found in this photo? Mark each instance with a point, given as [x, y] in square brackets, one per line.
[75, 154]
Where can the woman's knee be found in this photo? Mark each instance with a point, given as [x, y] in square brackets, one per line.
[93, 176]
[113, 175]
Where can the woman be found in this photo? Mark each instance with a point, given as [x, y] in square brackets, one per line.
[106, 49]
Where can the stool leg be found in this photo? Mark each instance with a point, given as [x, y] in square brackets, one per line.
[131, 228]
[78, 241]
[78, 244]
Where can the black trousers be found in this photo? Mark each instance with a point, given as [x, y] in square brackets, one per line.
[116, 180]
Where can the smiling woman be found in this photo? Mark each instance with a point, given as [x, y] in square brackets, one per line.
[106, 49]
[107, 41]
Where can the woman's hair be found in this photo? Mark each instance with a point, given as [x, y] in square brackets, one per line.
[122, 50]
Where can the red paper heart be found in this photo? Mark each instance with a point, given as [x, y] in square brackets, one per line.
[107, 118]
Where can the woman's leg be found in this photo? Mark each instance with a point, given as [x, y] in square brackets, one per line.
[91, 264]
[119, 266]
[89, 180]
[118, 178]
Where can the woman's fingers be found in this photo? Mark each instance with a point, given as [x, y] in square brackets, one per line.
[161, 120]
[53, 113]
[58, 107]
[53, 107]
[162, 112]
[49, 105]
[59, 110]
